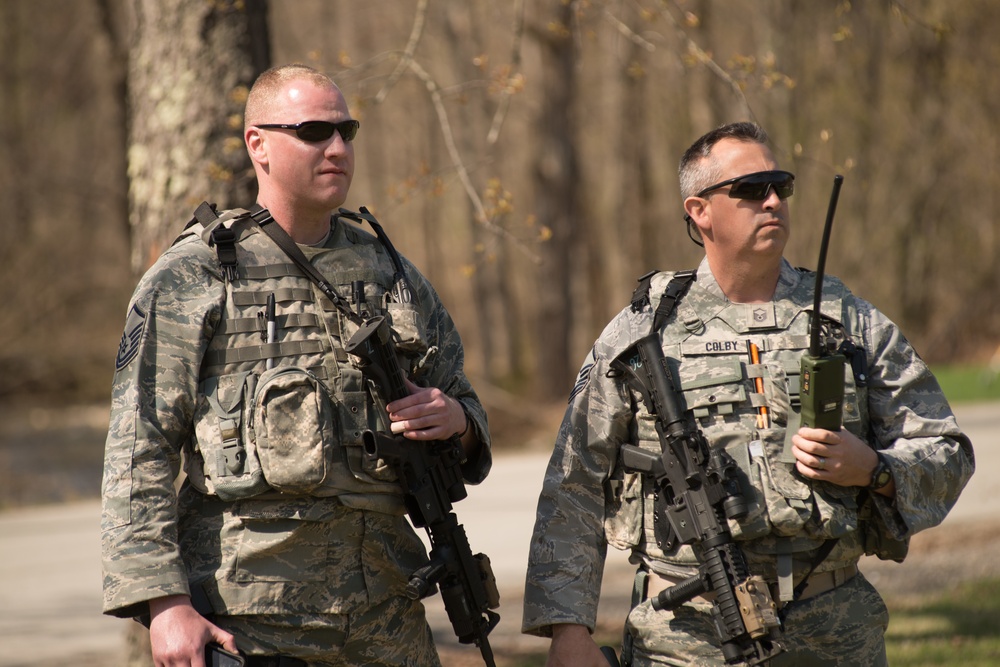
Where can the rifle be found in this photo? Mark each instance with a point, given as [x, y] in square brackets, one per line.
[696, 492]
[431, 478]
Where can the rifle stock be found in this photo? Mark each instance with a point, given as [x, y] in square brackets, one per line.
[698, 493]
[431, 479]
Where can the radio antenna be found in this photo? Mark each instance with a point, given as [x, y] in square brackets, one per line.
[814, 331]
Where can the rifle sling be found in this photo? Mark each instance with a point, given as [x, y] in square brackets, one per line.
[281, 238]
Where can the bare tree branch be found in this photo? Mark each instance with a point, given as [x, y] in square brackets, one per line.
[419, 20]
[702, 56]
[456, 159]
[515, 59]
[627, 32]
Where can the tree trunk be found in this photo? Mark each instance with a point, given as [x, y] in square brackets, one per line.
[190, 68]
[556, 172]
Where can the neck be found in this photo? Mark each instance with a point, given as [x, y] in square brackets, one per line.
[304, 226]
[746, 282]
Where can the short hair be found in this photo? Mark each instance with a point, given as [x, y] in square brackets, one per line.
[696, 171]
[263, 95]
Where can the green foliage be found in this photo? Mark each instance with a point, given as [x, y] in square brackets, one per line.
[967, 384]
[960, 627]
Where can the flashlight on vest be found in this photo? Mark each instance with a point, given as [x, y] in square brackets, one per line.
[822, 379]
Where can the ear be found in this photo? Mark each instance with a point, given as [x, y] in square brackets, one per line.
[697, 209]
[256, 146]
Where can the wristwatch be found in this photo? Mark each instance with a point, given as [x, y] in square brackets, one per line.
[881, 476]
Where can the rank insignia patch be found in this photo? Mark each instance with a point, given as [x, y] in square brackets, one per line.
[761, 316]
[129, 345]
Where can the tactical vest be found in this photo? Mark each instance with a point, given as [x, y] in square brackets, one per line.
[295, 428]
[705, 345]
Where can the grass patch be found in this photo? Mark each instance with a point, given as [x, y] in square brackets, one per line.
[960, 627]
[966, 384]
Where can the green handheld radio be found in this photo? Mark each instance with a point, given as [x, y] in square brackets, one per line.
[822, 390]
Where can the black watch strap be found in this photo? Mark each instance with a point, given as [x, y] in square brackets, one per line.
[881, 476]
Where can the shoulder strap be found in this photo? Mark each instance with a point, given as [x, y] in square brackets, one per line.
[281, 238]
[401, 284]
[676, 288]
[215, 232]
[640, 297]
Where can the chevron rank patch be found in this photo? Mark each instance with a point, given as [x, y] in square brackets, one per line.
[128, 348]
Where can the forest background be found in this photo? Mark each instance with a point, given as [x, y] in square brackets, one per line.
[522, 154]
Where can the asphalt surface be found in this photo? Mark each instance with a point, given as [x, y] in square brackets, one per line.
[50, 572]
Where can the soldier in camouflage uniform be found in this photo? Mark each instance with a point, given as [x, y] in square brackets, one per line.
[283, 541]
[896, 467]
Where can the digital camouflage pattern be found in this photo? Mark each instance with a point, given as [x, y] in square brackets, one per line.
[279, 513]
[589, 501]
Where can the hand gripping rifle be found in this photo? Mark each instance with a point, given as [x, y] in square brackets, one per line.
[696, 492]
[431, 478]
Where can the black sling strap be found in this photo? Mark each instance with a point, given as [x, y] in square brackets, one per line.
[401, 286]
[676, 288]
[281, 238]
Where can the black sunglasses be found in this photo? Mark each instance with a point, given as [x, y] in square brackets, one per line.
[318, 130]
[756, 186]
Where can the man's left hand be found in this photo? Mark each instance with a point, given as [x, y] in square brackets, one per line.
[427, 414]
[838, 457]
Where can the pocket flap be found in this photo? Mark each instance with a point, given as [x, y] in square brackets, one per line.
[225, 392]
[715, 372]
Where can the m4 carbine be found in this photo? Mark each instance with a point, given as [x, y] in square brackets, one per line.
[431, 478]
[696, 494]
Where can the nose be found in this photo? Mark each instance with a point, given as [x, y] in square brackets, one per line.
[771, 199]
[336, 145]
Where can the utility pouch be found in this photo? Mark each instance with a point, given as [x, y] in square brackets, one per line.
[229, 469]
[404, 318]
[291, 425]
[255, 434]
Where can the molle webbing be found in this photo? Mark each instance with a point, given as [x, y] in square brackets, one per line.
[262, 352]
[251, 324]
[279, 270]
[247, 298]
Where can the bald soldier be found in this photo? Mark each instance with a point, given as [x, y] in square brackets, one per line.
[284, 542]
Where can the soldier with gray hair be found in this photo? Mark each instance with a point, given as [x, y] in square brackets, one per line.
[286, 541]
[733, 334]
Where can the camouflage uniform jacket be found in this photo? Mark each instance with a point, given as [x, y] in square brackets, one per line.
[279, 512]
[589, 501]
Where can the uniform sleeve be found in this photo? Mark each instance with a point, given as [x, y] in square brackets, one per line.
[913, 425]
[446, 371]
[155, 383]
[568, 546]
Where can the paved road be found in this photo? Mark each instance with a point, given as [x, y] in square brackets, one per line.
[50, 587]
